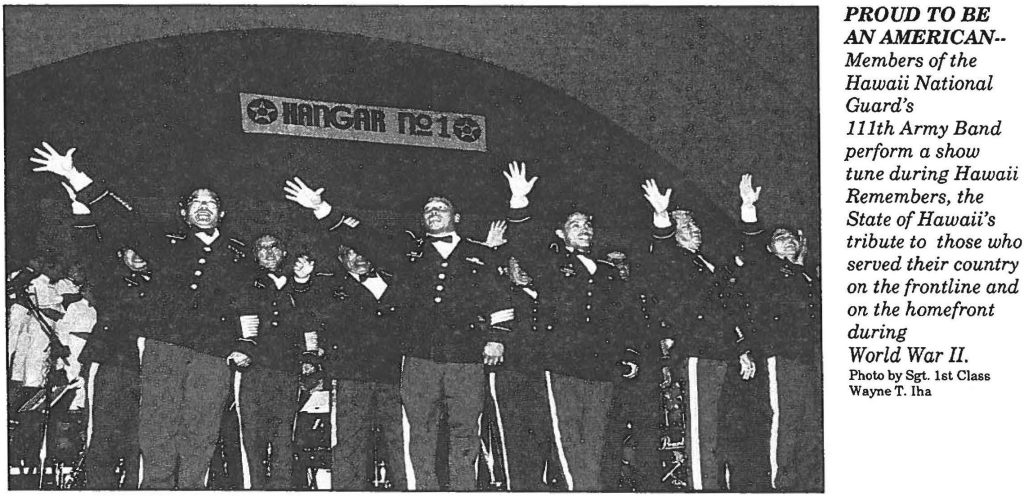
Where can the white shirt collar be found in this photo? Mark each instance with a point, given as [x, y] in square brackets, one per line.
[208, 239]
[376, 284]
[279, 281]
[444, 248]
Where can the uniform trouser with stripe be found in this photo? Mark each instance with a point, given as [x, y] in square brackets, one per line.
[800, 456]
[183, 395]
[427, 387]
[115, 417]
[744, 429]
[526, 421]
[704, 379]
[701, 380]
[580, 418]
[267, 404]
[360, 406]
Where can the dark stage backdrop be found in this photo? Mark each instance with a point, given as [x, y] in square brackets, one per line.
[158, 118]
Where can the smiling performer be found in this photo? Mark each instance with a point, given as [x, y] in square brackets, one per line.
[457, 312]
[268, 390]
[587, 317]
[786, 301]
[193, 325]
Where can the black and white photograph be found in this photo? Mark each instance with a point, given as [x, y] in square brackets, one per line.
[413, 248]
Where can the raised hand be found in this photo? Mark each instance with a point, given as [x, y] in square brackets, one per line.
[303, 267]
[52, 161]
[517, 182]
[297, 191]
[657, 199]
[747, 191]
[496, 235]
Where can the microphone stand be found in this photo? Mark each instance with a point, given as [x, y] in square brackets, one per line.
[57, 350]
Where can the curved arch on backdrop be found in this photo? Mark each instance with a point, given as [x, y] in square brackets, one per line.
[157, 118]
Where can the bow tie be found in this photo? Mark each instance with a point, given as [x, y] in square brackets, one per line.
[441, 239]
[209, 231]
[368, 275]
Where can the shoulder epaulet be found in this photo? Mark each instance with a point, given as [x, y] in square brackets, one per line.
[324, 274]
[236, 247]
[345, 220]
[124, 203]
[174, 237]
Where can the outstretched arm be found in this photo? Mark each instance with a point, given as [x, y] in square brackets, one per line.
[659, 202]
[92, 203]
[518, 185]
[749, 195]
[54, 162]
[385, 250]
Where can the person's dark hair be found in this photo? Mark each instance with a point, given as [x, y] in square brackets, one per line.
[185, 199]
[255, 244]
[444, 200]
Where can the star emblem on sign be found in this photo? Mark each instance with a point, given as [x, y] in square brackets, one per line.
[466, 129]
[261, 111]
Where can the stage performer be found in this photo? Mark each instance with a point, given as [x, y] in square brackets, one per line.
[588, 318]
[786, 304]
[362, 310]
[268, 393]
[698, 315]
[456, 306]
[193, 330]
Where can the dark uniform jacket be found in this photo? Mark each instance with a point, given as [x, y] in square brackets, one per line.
[285, 313]
[121, 296]
[449, 301]
[525, 341]
[361, 335]
[695, 302]
[785, 301]
[195, 286]
[588, 320]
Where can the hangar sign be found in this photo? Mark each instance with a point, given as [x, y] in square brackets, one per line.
[266, 114]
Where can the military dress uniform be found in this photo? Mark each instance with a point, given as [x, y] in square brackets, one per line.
[697, 305]
[588, 319]
[450, 301]
[361, 335]
[123, 298]
[785, 306]
[518, 386]
[268, 392]
[113, 345]
[191, 327]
